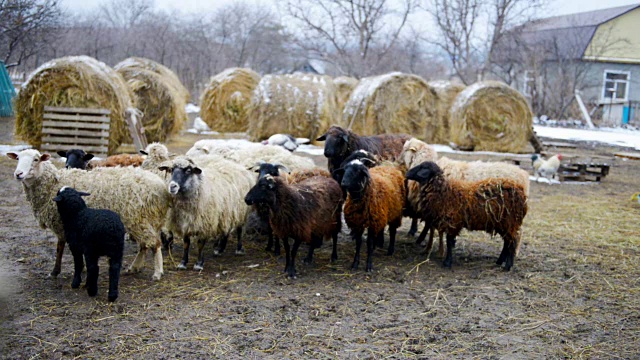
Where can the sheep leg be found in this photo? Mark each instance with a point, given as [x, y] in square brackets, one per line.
[287, 256]
[114, 278]
[379, 240]
[92, 274]
[222, 244]
[186, 242]
[158, 269]
[167, 239]
[78, 265]
[414, 228]
[441, 244]
[508, 252]
[371, 238]
[59, 251]
[309, 258]
[356, 259]
[276, 250]
[199, 265]
[270, 241]
[239, 249]
[294, 251]
[393, 227]
[334, 250]
[451, 243]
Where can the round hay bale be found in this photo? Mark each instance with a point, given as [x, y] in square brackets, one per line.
[300, 105]
[226, 100]
[491, 116]
[437, 132]
[75, 81]
[390, 103]
[163, 107]
[344, 88]
[168, 74]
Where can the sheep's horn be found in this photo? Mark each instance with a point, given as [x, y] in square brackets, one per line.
[283, 168]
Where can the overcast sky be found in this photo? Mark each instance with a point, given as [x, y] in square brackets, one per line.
[560, 6]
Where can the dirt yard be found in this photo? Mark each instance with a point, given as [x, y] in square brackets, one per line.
[574, 292]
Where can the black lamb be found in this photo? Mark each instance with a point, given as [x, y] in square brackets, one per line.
[91, 233]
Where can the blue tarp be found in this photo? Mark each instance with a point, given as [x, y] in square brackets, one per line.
[7, 92]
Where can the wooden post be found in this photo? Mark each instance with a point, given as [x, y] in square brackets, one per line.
[134, 121]
[584, 111]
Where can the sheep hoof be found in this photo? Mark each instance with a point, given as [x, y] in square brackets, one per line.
[334, 259]
[75, 283]
[112, 298]
[182, 266]
[156, 277]
[198, 267]
[307, 261]
[54, 274]
[447, 264]
[240, 252]
[369, 269]
[217, 252]
[92, 291]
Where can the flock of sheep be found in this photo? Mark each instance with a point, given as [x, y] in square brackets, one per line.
[209, 193]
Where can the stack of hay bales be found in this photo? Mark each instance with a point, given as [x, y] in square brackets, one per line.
[437, 132]
[491, 116]
[226, 100]
[165, 72]
[300, 105]
[344, 88]
[75, 81]
[390, 103]
[161, 103]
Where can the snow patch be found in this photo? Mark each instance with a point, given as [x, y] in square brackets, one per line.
[611, 136]
[311, 149]
[192, 108]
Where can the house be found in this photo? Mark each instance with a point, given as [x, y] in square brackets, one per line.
[595, 54]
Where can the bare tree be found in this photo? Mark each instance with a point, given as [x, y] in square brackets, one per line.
[26, 26]
[354, 35]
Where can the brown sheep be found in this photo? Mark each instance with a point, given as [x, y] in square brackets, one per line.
[340, 143]
[375, 198]
[117, 160]
[307, 211]
[491, 205]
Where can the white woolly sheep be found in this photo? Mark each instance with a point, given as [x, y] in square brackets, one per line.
[139, 197]
[208, 201]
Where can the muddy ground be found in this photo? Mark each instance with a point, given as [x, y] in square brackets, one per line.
[573, 293]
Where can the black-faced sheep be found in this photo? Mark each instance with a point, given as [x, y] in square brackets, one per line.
[306, 211]
[491, 205]
[76, 158]
[340, 143]
[139, 197]
[207, 202]
[375, 198]
[91, 233]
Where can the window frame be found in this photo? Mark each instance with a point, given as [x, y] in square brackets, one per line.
[614, 99]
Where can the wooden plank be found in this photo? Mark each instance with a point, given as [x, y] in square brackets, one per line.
[134, 121]
[90, 118]
[77, 110]
[74, 140]
[559, 144]
[72, 125]
[96, 150]
[71, 132]
[628, 155]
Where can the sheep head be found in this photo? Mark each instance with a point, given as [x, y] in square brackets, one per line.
[29, 164]
[69, 200]
[264, 192]
[336, 142]
[424, 172]
[185, 176]
[354, 176]
[76, 158]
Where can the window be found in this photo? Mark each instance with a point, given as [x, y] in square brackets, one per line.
[616, 86]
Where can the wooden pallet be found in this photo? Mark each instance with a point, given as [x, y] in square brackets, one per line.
[66, 128]
[583, 172]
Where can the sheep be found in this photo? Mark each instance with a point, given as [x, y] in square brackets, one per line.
[117, 160]
[340, 143]
[375, 198]
[307, 211]
[262, 210]
[250, 153]
[491, 205]
[137, 196]
[76, 158]
[413, 153]
[92, 233]
[207, 202]
[480, 170]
